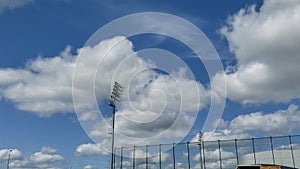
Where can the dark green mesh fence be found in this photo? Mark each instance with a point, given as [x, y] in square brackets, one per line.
[221, 154]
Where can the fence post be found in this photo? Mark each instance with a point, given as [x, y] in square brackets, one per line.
[272, 149]
[159, 156]
[188, 154]
[147, 156]
[121, 166]
[200, 153]
[174, 163]
[133, 158]
[114, 158]
[236, 152]
[203, 155]
[292, 151]
[220, 156]
[253, 147]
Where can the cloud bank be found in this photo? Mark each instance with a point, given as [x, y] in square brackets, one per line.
[266, 46]
[47, 158]
[12, 4]
[153, 102]
[278, 123]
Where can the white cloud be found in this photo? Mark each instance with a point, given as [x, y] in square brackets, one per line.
[15, 154]
[153, 102]
[140, 158]
[266, 45]
[87, 167]
[43, 87]
[222, 134]
[280, 122]
[213, 155]
[87, 116]
[41, 159]
[12, 4]
[48, 150]
[230, 163]
[89, 150]
[212, 158]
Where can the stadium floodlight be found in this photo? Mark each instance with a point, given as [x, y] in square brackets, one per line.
[115, 96]
[200, 137]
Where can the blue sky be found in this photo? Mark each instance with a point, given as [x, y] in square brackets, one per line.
[257, 42]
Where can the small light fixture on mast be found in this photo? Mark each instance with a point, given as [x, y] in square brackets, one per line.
[115, 96]
[200, 137]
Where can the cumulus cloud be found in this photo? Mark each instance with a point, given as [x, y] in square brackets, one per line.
[280, 122]
[43, 87]
[266, 46]
[15, 154]
[153, 102]
[48, 150]
[44, 159]
[12, 4]
[212, 158]
[87, 167]
[140, 158]
[89, 150]
[244, 126]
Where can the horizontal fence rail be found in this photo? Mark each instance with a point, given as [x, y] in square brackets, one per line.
[221, 154]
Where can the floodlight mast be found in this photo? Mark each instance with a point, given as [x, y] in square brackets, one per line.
[8, 159]
[115, 96]
[200, 142]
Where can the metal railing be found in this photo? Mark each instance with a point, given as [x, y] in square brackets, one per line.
[221, 154]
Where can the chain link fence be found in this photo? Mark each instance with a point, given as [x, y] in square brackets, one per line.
[221, 154]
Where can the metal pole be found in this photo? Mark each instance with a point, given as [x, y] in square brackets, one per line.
[8, 158]
[160, 156]
[236, 152]
[200, 138]
[133, 158]
[292, 151]
[220, 157]
[272, 149]
[146, 156]
[188, 154]
[174, 163]
[112, 104]
[200, 153]
[253, 147]
[115, 96]
[114, 158]
[203, 155]
[121, 158]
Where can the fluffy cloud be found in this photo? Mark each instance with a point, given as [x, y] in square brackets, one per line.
[48, 150]
[12, 4]
[213, 155]
[140, 158]
[212, 158]
[154, 103]
[43, 87]
[87, 167]
[89, 150]
[280, 122]
[266, 46]
[41, 159]
[15, 154]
